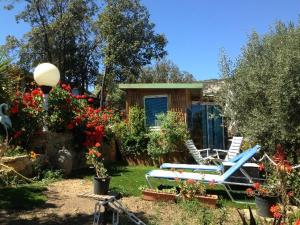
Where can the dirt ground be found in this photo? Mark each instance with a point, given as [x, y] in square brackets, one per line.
[65, 207]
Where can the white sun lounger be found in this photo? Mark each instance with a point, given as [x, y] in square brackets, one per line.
[207, 178]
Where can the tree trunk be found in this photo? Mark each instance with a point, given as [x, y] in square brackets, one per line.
[106, 71]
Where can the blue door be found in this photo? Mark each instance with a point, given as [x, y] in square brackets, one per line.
[206, 126]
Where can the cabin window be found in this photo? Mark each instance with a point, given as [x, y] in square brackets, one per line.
[155, 105]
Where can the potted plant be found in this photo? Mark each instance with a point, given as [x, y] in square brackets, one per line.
[192, 189]
[272, 197]
[101, 180]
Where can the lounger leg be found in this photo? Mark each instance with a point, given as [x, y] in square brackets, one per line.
[148, 181]
[231, 197]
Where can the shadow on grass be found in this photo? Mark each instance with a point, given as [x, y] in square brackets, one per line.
[24, 197]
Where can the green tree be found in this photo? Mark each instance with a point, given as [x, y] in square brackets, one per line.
[9, 78]
[262, 90]
[165, 71]
[62, 34]
[128, 41]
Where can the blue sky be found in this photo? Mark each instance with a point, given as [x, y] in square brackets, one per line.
[197, 29]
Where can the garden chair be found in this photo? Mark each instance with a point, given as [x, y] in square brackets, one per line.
[203, 156]
[223, 179]
[213, 168]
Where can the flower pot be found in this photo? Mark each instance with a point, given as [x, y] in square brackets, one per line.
[264, 203]
[101, 185]
[208, 200]
[158, 196]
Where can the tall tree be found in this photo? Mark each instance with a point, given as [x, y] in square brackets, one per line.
[262, 90]
[165, 71]
[9, 78]
[128, 41]
[61, 34]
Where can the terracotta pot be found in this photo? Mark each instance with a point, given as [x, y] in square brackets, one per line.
[158, 196]
[209, 200]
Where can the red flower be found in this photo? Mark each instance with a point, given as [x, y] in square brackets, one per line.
[98, 145]
[70, 126]
[261, 167]
[274, 208]
[280, 154]
[15, 109]
[17, 134]
[83, 96]
[250, 192]
[297, 222]
[36, 92]
[277, 215]
[256, 185]
[190, 181]
[91, 100]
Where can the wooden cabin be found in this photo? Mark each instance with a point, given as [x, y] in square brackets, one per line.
[188, 100]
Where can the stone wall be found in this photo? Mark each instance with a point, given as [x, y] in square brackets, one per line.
[62, 152]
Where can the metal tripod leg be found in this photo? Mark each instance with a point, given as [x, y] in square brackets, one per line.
[97, 213]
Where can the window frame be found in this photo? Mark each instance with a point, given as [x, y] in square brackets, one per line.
[154, 96]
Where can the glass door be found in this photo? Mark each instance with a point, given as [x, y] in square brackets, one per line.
[206, 126]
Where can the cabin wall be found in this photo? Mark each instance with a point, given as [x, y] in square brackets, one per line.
[178, 99]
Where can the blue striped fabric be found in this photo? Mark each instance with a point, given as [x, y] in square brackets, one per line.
[153, 107]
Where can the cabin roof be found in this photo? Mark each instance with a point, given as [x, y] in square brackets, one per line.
[161, 86]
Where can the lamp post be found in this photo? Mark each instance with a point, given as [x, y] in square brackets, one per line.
[47, 76]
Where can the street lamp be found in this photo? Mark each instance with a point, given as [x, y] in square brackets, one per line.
[47, 76]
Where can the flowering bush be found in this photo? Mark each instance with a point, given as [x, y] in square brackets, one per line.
[62, 108]
[277, 183]
[27, 115]
[191, 188]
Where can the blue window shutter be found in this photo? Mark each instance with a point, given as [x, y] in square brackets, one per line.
[153, 107]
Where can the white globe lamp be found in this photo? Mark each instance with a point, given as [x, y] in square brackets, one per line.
[47, 76]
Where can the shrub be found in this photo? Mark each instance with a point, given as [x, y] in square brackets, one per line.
[62, 107]
[27, 115]
[170, 137]
[132, 133]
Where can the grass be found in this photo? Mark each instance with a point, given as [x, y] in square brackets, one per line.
[23, 197]
[128, 179]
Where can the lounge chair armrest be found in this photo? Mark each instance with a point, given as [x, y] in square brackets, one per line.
[204, 150]
[220, 150]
